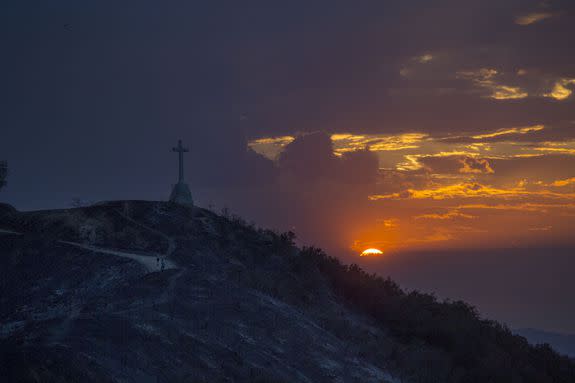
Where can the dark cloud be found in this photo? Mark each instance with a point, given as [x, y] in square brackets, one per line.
[359, 167]
[309, 157]
[472, 165]
[220, 157]
[456, 164]
[393, 181]
[547, 167]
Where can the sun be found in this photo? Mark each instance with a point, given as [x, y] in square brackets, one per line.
[371, 252]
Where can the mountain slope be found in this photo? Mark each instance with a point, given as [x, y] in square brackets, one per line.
[79, 298]
[138, 291]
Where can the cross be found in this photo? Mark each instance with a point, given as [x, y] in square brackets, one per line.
[180, 150]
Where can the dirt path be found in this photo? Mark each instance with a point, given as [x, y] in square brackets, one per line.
[2, 231]
[149, 261]
[171, 242]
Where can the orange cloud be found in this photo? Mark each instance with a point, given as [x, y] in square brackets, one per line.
[376, 142]
[544, 228]
[504, 132]
[569, 151]
[475, 166]
[560, 183]
[485, 78]
[445, 216]
[470, 190]
[532, 18]
[270, 147]
[530, 207]
[560, 90]
[389, 223]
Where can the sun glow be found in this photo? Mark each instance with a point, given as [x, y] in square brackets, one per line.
[371, 252]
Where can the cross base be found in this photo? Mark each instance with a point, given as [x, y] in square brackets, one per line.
[181, 194]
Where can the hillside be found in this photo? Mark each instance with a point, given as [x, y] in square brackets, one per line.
[136, 291]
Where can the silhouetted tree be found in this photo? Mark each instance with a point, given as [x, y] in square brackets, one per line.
[3, 173]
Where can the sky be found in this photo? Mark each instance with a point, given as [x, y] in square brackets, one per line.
[441, 132]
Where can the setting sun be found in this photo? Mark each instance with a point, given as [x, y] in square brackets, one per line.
[371, 252]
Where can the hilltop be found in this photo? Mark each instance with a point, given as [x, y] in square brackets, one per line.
[137, 291]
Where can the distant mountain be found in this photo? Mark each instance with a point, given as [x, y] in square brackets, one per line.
[136, 291]
[562, 343]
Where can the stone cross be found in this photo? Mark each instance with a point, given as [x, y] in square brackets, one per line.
[180, 150]
[181, 192]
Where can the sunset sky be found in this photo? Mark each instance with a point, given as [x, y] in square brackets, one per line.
[508, 187]
[406, 126]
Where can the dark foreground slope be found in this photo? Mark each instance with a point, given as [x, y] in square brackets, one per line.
[154, 292]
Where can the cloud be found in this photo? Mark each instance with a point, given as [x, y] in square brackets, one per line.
[393, 180]
[509, 131]
[532, 18]
[472, 190]
[270, 147]
[525, 207]
[546, 167]
[512, 141]
[561, 90]
[486, 78]
[425, 58]
[569, 151]
[358, 167]
[475, 166]
[565, 182]
[543, 228]
[467, 74]
[309, 157]
[445, 216]
[453, 163]
[377, 142]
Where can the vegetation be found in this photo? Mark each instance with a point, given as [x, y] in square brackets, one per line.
[478, 350]
[3, 173]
